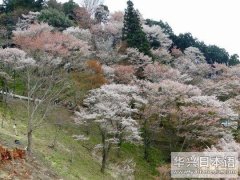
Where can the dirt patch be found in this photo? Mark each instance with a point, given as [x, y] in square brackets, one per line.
[20, 167]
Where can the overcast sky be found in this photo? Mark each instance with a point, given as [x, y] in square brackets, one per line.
[212, 21]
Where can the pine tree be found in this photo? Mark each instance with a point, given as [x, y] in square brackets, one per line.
[132, 30]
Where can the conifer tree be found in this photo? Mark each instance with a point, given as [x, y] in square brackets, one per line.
[132, 30]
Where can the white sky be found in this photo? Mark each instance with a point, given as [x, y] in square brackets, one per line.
[212, 21]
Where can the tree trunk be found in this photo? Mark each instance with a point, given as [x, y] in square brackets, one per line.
[105, 151]
[3, 119]
[29, 141]
[87, 129]
[104, 160]
[146, 140]
[14, 81]
[119, 145]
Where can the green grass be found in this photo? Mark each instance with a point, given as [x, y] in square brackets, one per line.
[83, 165]
[72, 159]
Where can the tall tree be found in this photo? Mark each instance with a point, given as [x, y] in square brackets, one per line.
[91, 5]
[68, 8]
[101, 14]
[132, 30]
[113, 107]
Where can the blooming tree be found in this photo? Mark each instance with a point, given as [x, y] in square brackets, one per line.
[155, 33]
[138, 60]
[15, 57]
[124, 74]
[223, 88]
[109, 73]
[91, 5]
[112, 107]
[162, 55]
[157, 72]
[27, 19]
[176, 52]
[79, 33]
[39, 37]
[101, 14]
[117, 16]
[182, 113]
[195, 55]
[225, 144]
[82, 17]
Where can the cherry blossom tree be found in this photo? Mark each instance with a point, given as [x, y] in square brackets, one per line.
[181, 112]
[13, 59]
[157, 72]
[193, 66]
[195, 55]
[82, 17]
[124, 74]
[82, 34]
[223, 88]
[109, 73]
[39, 37]
[176, 52]
[101, 14]
[156, 35]
[162, 55]
[138, 60]
[27, 19]
[117, 16]
[112, 107]
[225, 144]
[104, 41]
[91, 5]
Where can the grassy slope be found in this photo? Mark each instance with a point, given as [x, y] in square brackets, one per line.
[72, 159]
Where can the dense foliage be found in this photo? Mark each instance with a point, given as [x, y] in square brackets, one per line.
[55, 18]
[133, 90]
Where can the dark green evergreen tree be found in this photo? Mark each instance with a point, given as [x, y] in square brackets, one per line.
[234, 60]
[68, 8]
[34, 5]
[132, 30]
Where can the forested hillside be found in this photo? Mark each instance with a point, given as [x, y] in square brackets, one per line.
[87, 93]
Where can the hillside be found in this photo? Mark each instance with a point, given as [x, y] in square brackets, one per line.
[91, 94]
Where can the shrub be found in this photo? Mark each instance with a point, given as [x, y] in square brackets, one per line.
[98, 74]
[55, 18]
[124, 74]
[95, 66]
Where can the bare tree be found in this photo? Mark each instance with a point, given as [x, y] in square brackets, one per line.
[91, 5]
[43, 87]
